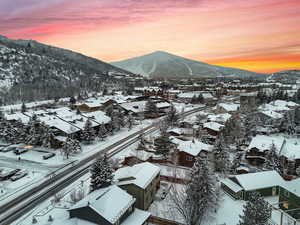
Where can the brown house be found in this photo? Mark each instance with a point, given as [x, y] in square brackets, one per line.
[189, 150]
[141, 181]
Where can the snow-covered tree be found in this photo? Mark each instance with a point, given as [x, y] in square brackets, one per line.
[222, 162]
[236, 161]
[200, 118]
[88, 133]
[273, 161]
[163, 145]
[199, 199]
[256, 211]
[150, 107]
[102, 131]
[130, 121]
[172, 116]
[48, 138]
[23, 108]
[70, 146]
[101, 173]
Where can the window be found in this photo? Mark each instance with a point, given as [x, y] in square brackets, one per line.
[189, 158]
[286, 193]
[285, 205]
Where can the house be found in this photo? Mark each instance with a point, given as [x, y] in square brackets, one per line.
[107, 206]
[260, 145]
[268, 117]
[141, 181]
[219, 118]
[289, 198]
[189, 150]
[213, 128]
[227, 108]
[136, 108]
[266, 183]
[290, 152]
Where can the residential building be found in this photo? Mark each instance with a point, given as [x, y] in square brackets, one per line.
[141, 181]
[107, 206]
[266, 183]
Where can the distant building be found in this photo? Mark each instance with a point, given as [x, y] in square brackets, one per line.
[248, 101]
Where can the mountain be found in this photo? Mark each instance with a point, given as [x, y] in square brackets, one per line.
[163, 64]
[290, 76]
[30, 70]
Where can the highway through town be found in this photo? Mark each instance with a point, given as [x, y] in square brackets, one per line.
[55, 182]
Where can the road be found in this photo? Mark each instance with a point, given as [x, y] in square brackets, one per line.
[57, 181]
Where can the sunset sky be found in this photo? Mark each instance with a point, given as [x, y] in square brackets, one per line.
[257, 35]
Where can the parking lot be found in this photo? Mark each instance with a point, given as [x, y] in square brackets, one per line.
[26, 153]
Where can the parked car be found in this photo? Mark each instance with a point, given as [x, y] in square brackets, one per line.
[7, 173]
[20, 150]
[19, 175]
[8, 148]
[48, 155]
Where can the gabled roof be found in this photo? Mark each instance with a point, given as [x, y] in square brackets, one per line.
[259, 180]
[213, 126]
[229, 107]
[190, 147]
[292, 186]
[263, 143]
[110, 203]
[140, 174]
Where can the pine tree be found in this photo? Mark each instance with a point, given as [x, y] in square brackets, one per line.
[141, 147]
[130, 121]
[88, 133]
[101, 173]
[102, 131]
[201, 193]
[70, 146]
[222, 162]
[150, 107]
[172, 116]
[273, 161]
[48, 138]
[163, 145]
[23, 108]
[256, 211]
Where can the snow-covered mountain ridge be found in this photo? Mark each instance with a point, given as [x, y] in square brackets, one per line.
[163, 64]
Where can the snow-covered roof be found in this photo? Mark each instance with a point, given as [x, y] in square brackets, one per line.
[263, 143]
[272, 114]
[259, 180]
[213, 126]
[248, 94]
[18, 116]
[163, 104]
[189, 94]
[192, 147]
[292, 186]
[207, 95]
[138, 217]
[283, 103]
[232, 185]
[111, 202]
[135, 107]
[219, 117]
[229, 107]
[291, 148]
[97, 116]
[142, 174]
